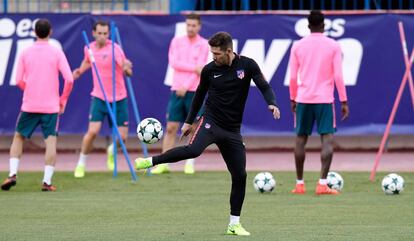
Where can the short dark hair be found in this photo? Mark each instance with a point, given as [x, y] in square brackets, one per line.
[100, 22]
[193, 16]
[42, 28]
[222, 40]
[316, 18]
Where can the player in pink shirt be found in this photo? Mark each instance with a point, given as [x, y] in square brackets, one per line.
[316, 67]
[39, 66]
[187, 56]
[102, 51]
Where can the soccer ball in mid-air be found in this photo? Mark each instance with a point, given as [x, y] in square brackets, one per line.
[264, 182]
[149, 131]
[392, 184]
[335, 181]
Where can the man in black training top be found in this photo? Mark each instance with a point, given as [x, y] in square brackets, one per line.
[227, 82]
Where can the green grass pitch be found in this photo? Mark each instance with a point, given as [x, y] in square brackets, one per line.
[181, 207]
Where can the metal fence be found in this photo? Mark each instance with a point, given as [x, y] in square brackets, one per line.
[73, 6]
[79, 6]
[234, 5]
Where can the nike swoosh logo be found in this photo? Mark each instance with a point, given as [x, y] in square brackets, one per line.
[216, 76]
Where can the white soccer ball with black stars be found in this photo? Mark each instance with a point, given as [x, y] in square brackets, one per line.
[335, 181]
[264, 182]
[392, 184]
[149, 131]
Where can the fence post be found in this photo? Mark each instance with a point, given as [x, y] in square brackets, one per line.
[176, 6]
[126, 6]
[5, 6]
[367, 5]
[245, 5]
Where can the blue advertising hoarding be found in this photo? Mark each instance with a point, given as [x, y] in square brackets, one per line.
[372, 61]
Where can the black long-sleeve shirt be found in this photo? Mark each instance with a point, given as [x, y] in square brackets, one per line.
[227, 88]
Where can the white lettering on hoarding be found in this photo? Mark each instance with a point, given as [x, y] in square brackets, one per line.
[24, 29]
[270, 60]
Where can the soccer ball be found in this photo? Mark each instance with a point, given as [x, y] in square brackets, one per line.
[392, 184]
[335, 181]
[149, 131]
[264, 182]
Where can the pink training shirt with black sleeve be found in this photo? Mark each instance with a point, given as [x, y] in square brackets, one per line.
[315, 67]
[185, 55]
[103, 59]
[38, 76]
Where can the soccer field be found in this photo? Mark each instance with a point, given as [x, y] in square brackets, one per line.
[180, 207]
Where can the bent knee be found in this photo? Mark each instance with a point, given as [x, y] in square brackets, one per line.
[92, 133]
[171, 130]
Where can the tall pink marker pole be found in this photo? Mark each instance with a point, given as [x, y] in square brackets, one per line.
[407, 75]
[407, 61]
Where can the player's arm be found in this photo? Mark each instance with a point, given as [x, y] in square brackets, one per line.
[122, 61]
[339, 82]
[20, 74]
[85, 65]
[264, 88]
[293, 83]
[176, 63]
[200, 62]
[203, 57]
[197, 102]
[127, 67]
[64, 69]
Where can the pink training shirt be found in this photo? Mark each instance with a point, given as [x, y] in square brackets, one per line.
[38, 76]
[317, 60]
[185, 55]
[103, 58]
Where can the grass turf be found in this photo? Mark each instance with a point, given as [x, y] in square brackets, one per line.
[181, 207]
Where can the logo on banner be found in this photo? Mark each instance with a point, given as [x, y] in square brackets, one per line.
[269, 53]
[23, 30]
[240, 74]
[352, 49]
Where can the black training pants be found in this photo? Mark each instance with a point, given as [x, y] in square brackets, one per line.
[232, 149]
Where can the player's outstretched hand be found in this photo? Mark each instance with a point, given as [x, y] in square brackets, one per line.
[344, 110]
[62, 108]
[181, 92]
[275, 111]
[293, 106]
[76, 73]
[185, 130]
[127, 67]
